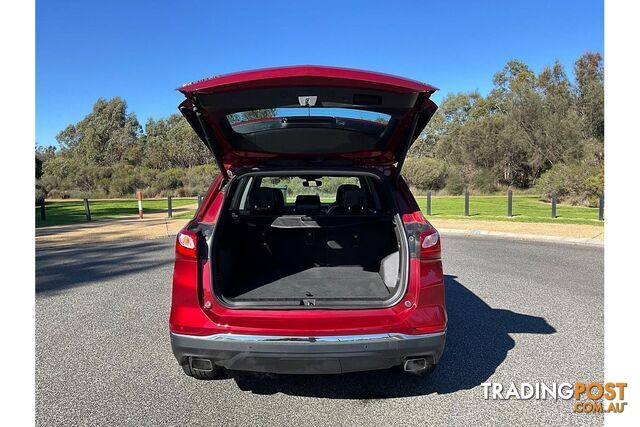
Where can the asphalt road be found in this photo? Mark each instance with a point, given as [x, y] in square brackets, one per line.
[518, 312]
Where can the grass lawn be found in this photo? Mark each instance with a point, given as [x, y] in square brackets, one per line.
[184, 215]
[71, 212]
[526, 208]
[494, 208]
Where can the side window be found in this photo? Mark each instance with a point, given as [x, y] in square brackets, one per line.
[245, 188]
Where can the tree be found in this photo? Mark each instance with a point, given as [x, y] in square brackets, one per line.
[259, 114]
[171, 142]
[105, 136]
[38, 168]
[530, 125]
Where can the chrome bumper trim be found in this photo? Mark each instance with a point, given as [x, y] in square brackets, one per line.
[231, 337]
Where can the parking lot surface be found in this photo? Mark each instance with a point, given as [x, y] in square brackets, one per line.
[518, 312]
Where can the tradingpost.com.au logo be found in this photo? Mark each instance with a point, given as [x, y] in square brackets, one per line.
[590, 397]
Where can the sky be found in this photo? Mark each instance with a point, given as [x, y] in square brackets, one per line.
[143, 50]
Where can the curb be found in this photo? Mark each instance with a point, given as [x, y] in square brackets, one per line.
[529, 237]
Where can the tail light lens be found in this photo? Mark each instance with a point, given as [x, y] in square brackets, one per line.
[430, 244]
[187, 244]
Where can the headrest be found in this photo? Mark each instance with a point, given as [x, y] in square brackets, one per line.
[342, 189]
[279, 198]
[354, 201]
[307, 202]
[263, 199]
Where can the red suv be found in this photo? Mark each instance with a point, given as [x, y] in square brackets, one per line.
[308, 254]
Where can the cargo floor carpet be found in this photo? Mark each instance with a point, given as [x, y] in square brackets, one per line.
[341, 282]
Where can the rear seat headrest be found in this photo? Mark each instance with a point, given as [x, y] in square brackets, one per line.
[341, 189]
[264, 199]
[354, 201]
[307, 202]
[279, 198]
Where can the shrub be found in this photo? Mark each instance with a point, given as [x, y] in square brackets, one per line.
[57, 194]
[125, 181]
[577, 184]
[425, 173]
[198, 179]
[455, 182]
[484, 181]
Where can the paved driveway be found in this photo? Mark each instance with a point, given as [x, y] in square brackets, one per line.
[518, 312]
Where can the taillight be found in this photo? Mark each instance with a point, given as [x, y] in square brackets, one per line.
[186, 244]
[430, 244]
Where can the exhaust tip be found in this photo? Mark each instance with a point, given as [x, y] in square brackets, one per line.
[201, 364]
[415, 365]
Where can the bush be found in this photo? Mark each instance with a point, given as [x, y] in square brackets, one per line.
[455, 182]
[424, 173]
[198, 179]
[57, 194]
[484, 181]
[576, 184]
[126, 180]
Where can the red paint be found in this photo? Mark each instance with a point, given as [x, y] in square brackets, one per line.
[311, 76]
[302, 75]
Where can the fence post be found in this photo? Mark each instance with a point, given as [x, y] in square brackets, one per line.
[169, 207]
[87, 212]
[509, 203]
[43, 214]
[429, 203]
[139, 196]
[600, 208]
[199, 201]
[554, 202]
[466, 203]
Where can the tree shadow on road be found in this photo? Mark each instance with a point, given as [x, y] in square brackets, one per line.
[477, 343]
[62, 268]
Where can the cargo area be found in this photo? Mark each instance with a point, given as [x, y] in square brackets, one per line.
[307, 252]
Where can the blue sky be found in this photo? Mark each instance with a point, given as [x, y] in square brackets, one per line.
[143, 50]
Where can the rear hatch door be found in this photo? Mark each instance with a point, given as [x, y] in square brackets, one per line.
[307, 113]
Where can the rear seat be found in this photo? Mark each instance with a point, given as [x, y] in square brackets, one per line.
[308, 203]
[351, 202]
[266, 200]
[325, 240]
[333, 241]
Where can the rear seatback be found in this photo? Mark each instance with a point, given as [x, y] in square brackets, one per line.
[324, 242]
[307, 203]
[266, 200]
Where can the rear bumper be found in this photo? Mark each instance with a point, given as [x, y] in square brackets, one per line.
[307, 355]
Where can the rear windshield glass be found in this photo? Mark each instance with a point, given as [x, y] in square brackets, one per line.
[294, 186]
[317, 194]
[274, 118]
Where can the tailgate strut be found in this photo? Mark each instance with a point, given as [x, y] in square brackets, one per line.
[206, 132]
